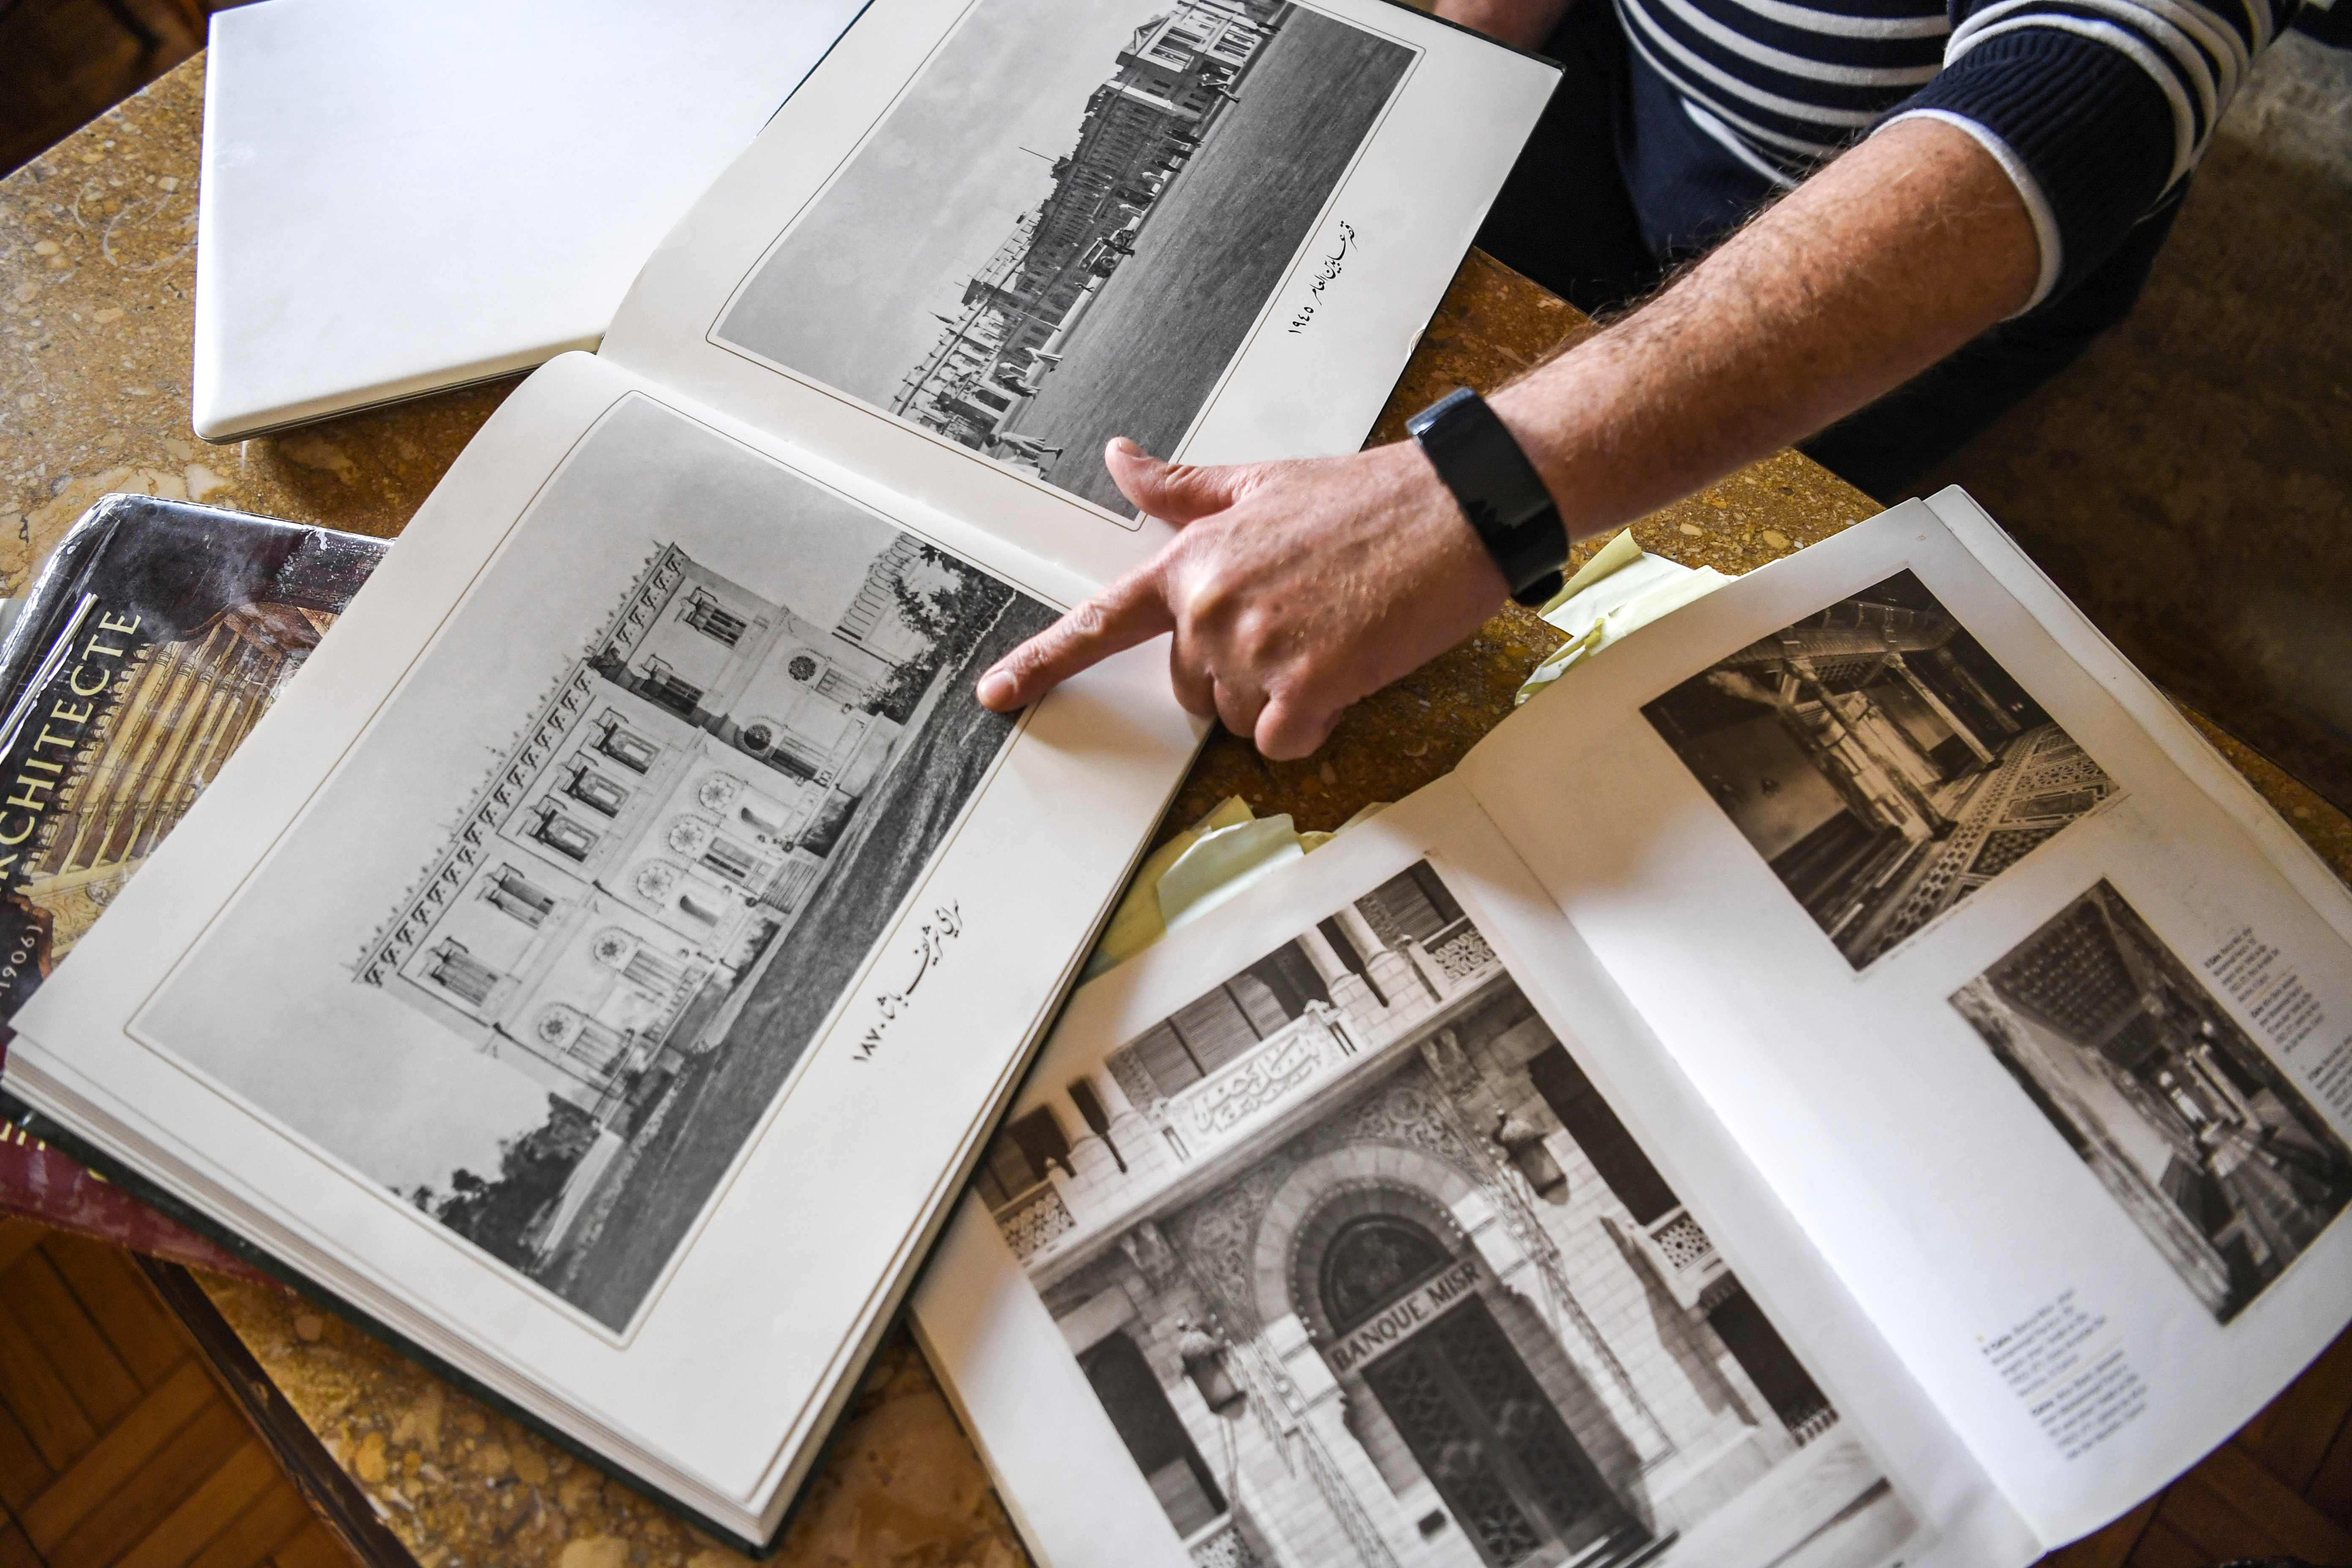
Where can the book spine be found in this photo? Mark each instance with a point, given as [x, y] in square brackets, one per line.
[50, 1187]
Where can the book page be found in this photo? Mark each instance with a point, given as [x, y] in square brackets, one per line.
[1360, 1222]
[1021, 227]
[2030, 1011]
[602, 965]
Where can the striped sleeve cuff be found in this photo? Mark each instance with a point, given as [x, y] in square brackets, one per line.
[2078, 124]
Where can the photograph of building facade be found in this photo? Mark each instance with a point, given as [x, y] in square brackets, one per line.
[643, 848]
[1165, 92]
[1364, 1270]
[1880, 760]
[1030, 256]
[2186, 1121]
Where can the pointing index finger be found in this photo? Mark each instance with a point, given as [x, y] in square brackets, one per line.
[1131, 611]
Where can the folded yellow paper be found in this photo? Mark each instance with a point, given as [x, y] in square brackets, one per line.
[1619, 590]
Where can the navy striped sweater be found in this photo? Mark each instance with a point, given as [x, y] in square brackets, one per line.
[2096, 108]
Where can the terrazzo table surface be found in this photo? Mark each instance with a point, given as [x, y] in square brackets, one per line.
[97, 273]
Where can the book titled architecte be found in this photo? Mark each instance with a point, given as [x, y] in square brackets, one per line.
[601, 965]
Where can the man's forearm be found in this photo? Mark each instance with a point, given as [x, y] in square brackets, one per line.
[1297, 587]
[1885, 262]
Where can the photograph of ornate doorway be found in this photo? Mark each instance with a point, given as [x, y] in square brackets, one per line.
[1364, 1268]
[1464, 1400]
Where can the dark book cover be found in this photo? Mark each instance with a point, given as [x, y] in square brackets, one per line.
[151, 642]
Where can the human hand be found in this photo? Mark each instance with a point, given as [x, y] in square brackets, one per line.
[1293, 589]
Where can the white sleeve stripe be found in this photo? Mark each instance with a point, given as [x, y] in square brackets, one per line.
[2213, 15]
[2232, 59]
[1813, 152]
[2198, 66]
[2155, 19]
[2029, 190]
[2134, 49]
[2194, 69]
[2260, 17]
[1647, 26]
[1836, 24]
[1732, 145]
[2224, 51]
[2221, 41]
[1752, 52]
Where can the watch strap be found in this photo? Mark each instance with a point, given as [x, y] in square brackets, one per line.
[1499, 489]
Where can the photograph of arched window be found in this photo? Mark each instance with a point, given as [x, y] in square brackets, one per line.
[1883, 764]
[1363, 1268]
[2189, 1125]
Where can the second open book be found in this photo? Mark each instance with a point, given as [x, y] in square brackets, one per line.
[1848, 1077]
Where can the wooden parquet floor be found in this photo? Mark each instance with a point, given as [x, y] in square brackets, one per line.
[117, 1449]
[2281, 1487]
[62, 62]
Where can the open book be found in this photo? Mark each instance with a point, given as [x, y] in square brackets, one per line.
[603, 965]
[1851, 1078]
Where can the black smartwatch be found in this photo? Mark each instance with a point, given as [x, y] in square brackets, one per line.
[1499, 489]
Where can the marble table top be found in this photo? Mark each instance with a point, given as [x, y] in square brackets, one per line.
[97, 278]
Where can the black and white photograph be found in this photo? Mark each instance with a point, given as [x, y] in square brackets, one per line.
[1364, 1269]
[654, 820]
[1883, 764]
[2191, 1126]
[1070, 224]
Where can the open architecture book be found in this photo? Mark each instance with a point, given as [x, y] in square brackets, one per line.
[1849, 1079]
[603, 965]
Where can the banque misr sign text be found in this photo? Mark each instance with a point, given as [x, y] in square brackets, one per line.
[1404, 1317]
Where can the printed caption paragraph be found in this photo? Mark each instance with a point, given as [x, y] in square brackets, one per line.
[2282, 1008]
[2076, 1383]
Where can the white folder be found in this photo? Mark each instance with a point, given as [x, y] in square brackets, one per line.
[404, 196]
